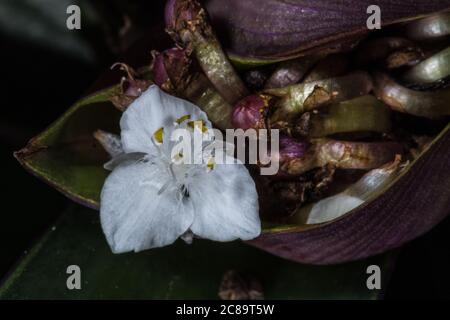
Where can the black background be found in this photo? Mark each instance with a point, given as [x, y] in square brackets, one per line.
[39, 83]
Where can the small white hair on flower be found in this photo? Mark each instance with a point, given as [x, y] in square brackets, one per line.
[149, 201]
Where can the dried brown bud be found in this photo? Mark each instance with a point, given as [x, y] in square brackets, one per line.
[235, 286]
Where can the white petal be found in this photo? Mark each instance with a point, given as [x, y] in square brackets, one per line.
[117, 160]
[110, 142]
[225, 204]
[153, 110]
[134, 216]
[332, 207]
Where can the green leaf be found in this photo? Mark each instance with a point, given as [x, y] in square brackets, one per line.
[67, 156]
[180, 271]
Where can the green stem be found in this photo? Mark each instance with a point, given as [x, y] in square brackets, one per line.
[202, 93]
[296, 99]
[363, 114]
[430, 70]
[431, 104]
[429, 28]
[190, 28]
[290, 72]
[344, 155]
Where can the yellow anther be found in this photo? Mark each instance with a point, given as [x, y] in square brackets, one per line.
[199, 124]
[183, 119]
[158, 136]
[211, 163]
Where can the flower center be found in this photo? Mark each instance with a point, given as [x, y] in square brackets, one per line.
[181, 159]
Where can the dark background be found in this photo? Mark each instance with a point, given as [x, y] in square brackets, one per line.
[45, 68]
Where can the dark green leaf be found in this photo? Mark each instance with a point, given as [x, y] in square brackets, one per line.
[177, 272]
[67, 156]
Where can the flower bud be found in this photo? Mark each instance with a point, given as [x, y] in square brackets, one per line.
[291, 148]
[131, 87]
[160, 75]
[291, 151]
[168, 66]
[177, 12]
[249, 112]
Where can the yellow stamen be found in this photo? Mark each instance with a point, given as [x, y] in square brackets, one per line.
[211, 163]
[159, 135]
[183, 119]
[199, 124]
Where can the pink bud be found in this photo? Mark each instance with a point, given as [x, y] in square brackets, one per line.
[160, 75]
[249, 112]
[290, 152]
[179, 11]
[291, 148]
[166, 63]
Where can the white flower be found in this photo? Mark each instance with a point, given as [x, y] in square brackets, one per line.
[149, 201]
